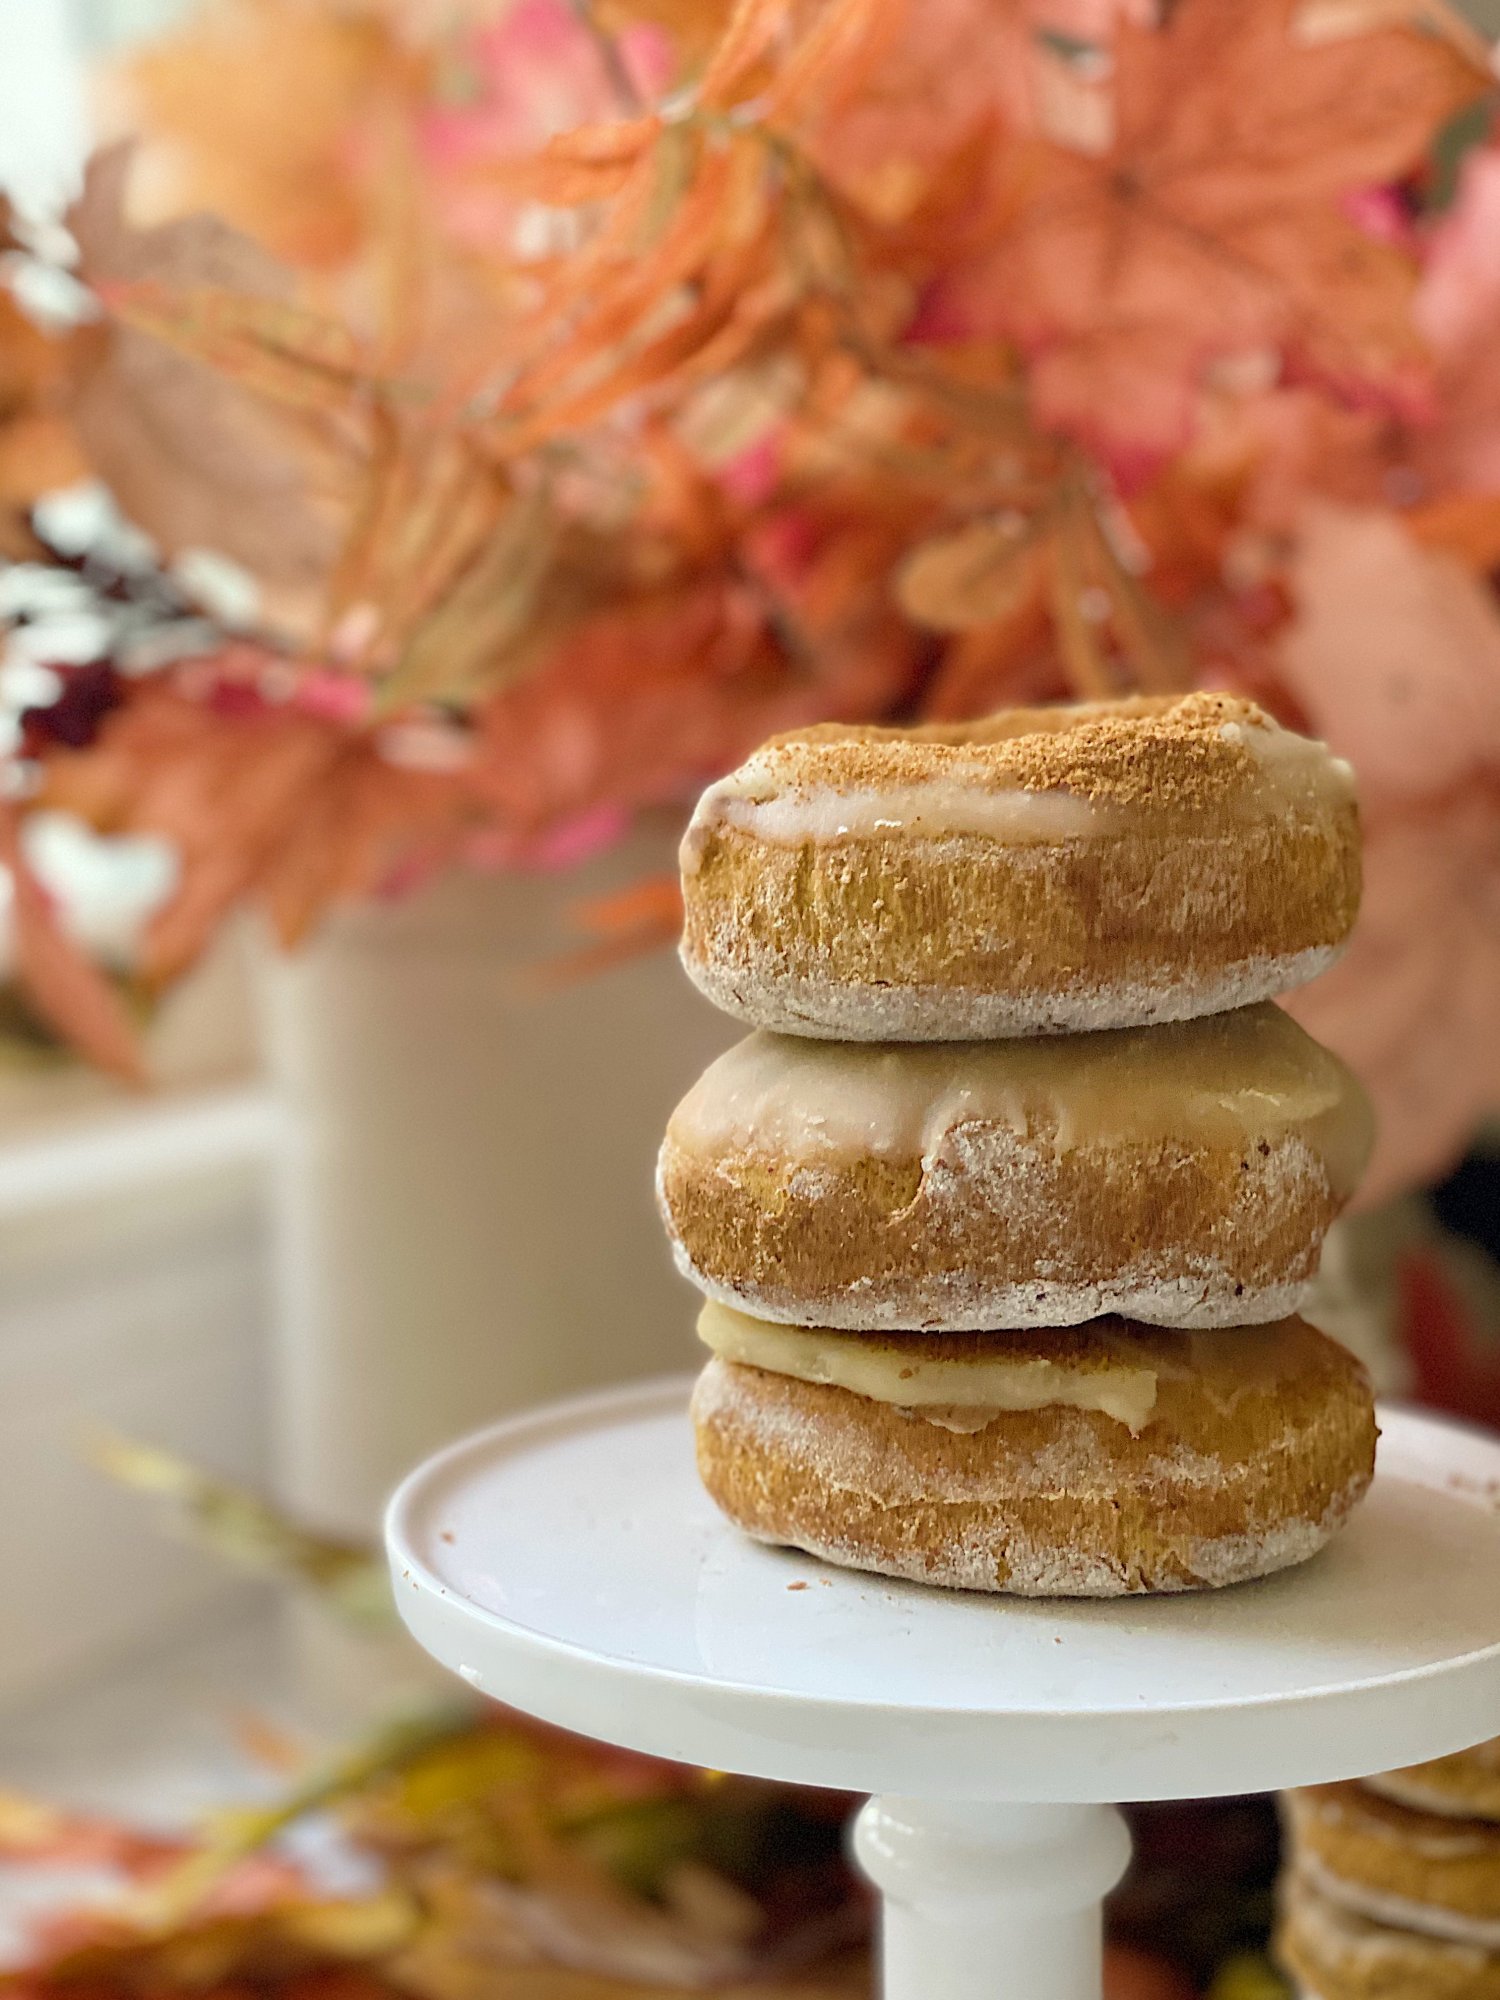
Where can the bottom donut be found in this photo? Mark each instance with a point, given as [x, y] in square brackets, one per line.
[1104, 1461]
[1334, 1954]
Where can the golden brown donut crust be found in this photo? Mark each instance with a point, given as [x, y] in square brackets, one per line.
[1144, 1225]
[1333, 1954]
[1247, 1466]
[1211, 890]
[1003, 1227]
[1398, 1866]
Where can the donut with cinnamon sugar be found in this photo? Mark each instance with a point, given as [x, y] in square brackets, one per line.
[1042, 871]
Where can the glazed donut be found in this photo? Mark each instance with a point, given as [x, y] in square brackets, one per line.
[1333, 1954]
[1246, 1456]
[1464, 1786]
[1411, 1869]
[1045, 870]
[1183, 1175]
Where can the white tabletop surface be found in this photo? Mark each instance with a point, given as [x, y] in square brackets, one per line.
[569, 1562]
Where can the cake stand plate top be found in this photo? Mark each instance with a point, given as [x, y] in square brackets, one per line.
[569, 1563]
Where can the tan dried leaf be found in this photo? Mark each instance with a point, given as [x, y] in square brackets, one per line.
[249, 1532]
[984, 572]
[196, 459]
[485, 627]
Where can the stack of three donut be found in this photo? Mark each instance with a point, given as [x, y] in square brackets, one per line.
[1392, 1885]
[967, 1299]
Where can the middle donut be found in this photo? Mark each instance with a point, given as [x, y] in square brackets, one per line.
[1183, 1175]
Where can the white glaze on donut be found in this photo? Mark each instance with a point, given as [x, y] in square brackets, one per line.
[1239, 1080]
[960, 803]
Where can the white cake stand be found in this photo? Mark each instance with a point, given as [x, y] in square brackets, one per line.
[569, 1563]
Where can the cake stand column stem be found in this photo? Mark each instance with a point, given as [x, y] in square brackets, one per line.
[991, 1902]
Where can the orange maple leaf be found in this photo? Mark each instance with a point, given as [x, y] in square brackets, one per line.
[1215, 222]
[262, 804]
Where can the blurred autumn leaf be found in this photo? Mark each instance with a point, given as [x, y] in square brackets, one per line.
[193, 451]
[248, 1531]
[1205, 225]
[591, 390]
[38, 450]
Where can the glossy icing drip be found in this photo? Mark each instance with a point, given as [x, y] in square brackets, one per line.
[963, 802]
[958, 1394]
[1233, 1080]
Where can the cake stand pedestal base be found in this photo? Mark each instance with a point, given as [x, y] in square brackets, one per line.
[568, 1562]
[980, 1901]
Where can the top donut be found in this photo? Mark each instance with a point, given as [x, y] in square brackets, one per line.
[1041, 871]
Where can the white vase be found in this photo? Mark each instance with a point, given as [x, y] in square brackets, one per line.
[466, 1218]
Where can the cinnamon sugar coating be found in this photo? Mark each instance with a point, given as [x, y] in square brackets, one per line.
[1334, 1954]
[1168, 752]
[1041, 871]
[1250, 1463]
[1425, 1872]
